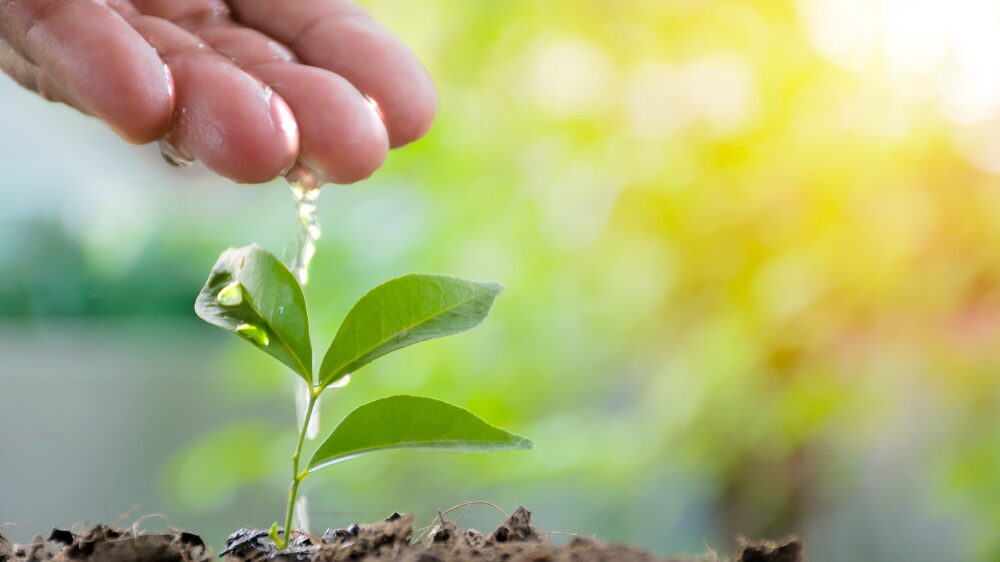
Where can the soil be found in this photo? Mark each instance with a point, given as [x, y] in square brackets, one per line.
[392, 540]
[105, 544]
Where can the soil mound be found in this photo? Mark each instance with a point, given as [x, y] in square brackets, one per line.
[391, 540]
[515, 540]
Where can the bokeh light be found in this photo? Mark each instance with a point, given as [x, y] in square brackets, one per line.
[752, 286]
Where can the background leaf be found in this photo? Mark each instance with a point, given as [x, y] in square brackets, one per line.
[208, 473]
[262, 303]
[402, 312]
[412, 422]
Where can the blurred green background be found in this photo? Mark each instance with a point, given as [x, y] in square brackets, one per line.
[752, 270]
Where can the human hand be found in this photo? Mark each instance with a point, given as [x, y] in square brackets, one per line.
[248, 87]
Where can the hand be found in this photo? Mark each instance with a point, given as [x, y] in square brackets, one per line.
[248, 87]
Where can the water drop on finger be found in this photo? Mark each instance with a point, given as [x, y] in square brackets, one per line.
[302, 178]
[173, 156]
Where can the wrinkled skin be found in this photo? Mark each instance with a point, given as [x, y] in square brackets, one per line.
[248, 87]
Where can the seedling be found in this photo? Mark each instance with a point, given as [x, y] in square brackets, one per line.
[253, 295]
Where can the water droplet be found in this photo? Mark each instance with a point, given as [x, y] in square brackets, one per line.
[173, 156]
[231, 294]
[281, 309]
[253, 333]
[305, 179]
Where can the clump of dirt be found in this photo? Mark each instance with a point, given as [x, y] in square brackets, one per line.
[791, 550]
[391, 540]
[515, 540]
[104, 544]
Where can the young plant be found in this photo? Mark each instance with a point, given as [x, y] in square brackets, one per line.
[253, 295]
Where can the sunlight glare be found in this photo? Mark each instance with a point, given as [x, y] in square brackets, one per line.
[935, 49]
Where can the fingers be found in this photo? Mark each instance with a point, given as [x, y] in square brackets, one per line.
[342, 135]
[189, 14]
[221, 112]
[245, 47]
[226, 118]
[94, 60]
[340, 37]
[31, 77]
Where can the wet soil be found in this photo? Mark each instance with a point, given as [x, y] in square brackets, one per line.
[391, 540]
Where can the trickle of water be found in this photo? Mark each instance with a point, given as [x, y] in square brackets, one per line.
[305, 185]
[231, 294]
[309, 231]
[173, 156]
[302, 511]
[253, 333]
[302, 394]
[341, 383]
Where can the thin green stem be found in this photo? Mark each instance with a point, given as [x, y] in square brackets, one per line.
[297, 477]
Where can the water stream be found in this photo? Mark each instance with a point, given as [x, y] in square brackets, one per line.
[309, 232]
[305, 187]
[306, 194]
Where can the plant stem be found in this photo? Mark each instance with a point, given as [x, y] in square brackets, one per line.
[297, 477]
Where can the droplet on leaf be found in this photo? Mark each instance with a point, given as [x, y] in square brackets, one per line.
[254, 334]
[231, 294]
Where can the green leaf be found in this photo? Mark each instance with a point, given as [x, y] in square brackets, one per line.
[253, 295]
[273, 533]
[411, 422]
[402, 312]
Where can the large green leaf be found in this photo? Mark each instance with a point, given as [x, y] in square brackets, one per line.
[402, 312]
[252, 294]
[411, 422]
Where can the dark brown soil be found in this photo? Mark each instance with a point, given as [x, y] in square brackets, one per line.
[105, 544]
[516, 540]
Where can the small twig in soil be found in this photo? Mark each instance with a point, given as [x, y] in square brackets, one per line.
[423, 533]
[135, 525]
[467, 504]
[425, 530]
[125, 514]
[564, 533]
